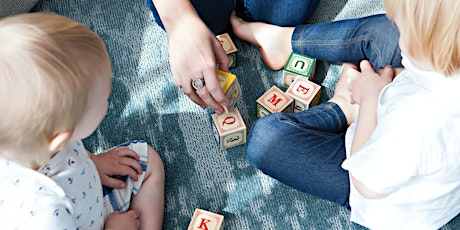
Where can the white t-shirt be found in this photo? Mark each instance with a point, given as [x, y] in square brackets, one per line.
[65, 194]
[413, 154]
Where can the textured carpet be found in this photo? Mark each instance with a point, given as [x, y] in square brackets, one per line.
[146, 104]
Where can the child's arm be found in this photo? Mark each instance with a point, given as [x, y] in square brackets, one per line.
[365, 90]
[120, 161]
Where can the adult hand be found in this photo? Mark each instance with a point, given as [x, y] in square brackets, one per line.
[367, 84]
[123, 221]
[195, 52]
[120, 161]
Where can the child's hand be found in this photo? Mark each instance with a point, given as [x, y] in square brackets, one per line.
[367, 84]
[122, 221]
[120, 161]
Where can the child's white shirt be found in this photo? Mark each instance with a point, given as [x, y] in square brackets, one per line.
[65, 194]
[413, 154]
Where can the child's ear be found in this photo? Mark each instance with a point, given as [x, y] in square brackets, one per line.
[59, 141]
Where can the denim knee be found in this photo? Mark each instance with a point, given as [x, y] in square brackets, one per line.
[263, 138]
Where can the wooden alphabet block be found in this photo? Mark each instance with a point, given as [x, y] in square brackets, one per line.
[203, 219]
[298, 65]
[229, 129]
[305, 94]
[272, 101]
[229, 48]
[230, 86]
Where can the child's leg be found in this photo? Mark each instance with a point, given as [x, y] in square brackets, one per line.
[146, 194]
[150, 198]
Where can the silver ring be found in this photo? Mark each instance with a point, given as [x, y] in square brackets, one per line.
[197, 83]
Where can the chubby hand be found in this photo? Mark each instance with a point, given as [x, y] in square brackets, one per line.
[367, 83]
[119, 161]
[122, 221]
[195, 52]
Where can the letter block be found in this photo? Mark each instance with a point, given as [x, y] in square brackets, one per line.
[229, 129]
[205, 220]
[229, 48]
[305, 94]
[298, 65]
[272, 101]
[230, 86]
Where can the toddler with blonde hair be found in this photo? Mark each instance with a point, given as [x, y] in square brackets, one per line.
[386, 147]
[55, 81]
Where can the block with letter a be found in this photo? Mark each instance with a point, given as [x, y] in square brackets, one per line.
[229, 129]
[229, 48]
[272, 101]
[206, 220]
[298, 65]
[230, 86]
[305, 94]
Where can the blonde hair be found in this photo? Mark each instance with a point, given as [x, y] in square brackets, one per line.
[431, 31]
[47, 65]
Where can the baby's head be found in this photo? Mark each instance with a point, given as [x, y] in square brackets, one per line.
[430, 32]
[53, 73]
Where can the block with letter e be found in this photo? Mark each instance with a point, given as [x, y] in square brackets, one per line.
[298, 65]
[230, 86]
[272, 101]
[206, 220]
[229, 48]
[305, 94]
[229, 129]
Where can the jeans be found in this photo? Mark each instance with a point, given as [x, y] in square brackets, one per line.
[374, 38]
[303, 150]
[216, 13]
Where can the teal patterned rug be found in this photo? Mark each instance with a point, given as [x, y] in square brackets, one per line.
[146, 104]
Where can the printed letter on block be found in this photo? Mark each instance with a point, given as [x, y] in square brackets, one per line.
[229, 129]
[298, 65]
[230, 86]
[229, 48]
[305, 94]
[272, 101]
[205, 220]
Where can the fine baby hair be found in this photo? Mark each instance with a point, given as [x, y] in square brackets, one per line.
[431, 32]
[47, 64]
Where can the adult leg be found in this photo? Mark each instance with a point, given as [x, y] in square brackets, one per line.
[303, 150]
[374, 38]
[215, 14]
[280, 12]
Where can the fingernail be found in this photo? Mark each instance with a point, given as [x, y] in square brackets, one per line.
[225, 104]
[219, 112]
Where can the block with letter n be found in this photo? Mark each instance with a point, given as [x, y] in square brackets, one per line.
[305, 94]
[230, 86]
[206, 220]
[298, 65]
[229, 129]
[272, 101]
[229, 48]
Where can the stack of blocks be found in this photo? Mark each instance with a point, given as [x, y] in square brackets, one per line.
[301, 93]
[298, 65]
[229, 128]
[203, 219]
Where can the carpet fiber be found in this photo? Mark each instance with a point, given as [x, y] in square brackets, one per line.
[146, 104]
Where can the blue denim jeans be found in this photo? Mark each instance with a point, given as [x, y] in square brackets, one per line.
[374, 38]
[216, 13]
[304, 150]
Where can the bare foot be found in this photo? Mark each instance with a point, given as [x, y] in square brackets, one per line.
[342, 96]
[274, 42]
